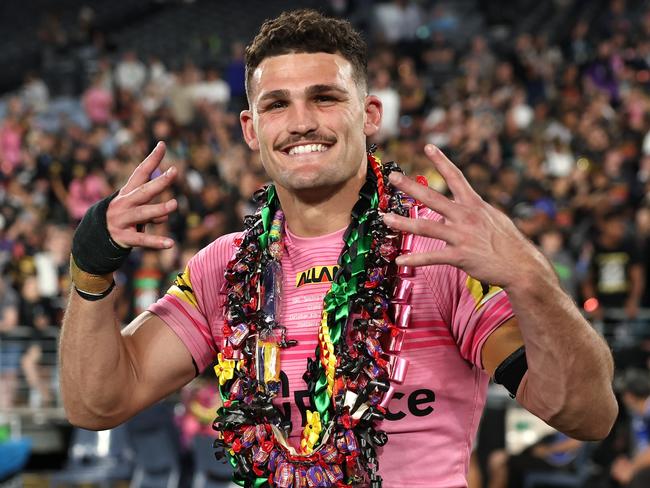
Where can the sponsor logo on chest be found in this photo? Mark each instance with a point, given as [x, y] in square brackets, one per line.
[317, 274]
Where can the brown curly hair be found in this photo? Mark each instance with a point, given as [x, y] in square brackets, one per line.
[307, 31]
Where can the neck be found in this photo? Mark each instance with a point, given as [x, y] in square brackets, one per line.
[319, 211]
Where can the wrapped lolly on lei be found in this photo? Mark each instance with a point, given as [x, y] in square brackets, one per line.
[365, 316]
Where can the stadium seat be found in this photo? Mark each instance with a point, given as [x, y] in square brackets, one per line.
[208, 471]
[100, 458]
[14, 455]
[156, 448]
[577, 479]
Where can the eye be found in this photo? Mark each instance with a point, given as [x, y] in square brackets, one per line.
[278, 104]
[324, 98]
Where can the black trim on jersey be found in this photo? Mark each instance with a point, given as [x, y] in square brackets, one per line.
[196, 368]
[512, 370]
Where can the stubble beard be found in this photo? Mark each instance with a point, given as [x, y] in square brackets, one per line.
[314, 190]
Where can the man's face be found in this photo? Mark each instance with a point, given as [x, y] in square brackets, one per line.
[309, 119]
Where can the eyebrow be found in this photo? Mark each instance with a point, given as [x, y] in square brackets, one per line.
[316, 89]
[274, 94]
[310, 91]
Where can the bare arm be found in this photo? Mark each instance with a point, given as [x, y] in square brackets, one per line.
[624, 469]
[9, 319]
[568, 383]
[641, 460]
[637, 285]
[542, 450]
[108, 374]
[570, 368]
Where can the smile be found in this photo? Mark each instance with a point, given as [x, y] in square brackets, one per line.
[307, 148]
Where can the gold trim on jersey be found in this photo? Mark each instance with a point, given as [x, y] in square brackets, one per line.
[481, 292]
[182, 288]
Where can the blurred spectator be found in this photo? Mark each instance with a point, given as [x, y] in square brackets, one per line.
[529, 220]
[88, 183]
[37, 314]
[410, 87]
[200, 400]
[439, 58]
[551, 243]
[98, 102]
[633, 470]
[443, 19]
[51, 31]
[130, 73]
[235, 76]
[579, 48]
[180, 95]
[615, 277]
[381, 87]
[554, 452]
[397, 20]
[35, 93]
[157, 88]
[11, 138]
[10, 351]
[560, 161]
[643, 240]
[212, 89]
[615, 18]
[480, 58]
[602, 71]
[147, 281]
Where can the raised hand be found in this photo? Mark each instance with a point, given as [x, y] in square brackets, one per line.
[132, 207]
[481, 240]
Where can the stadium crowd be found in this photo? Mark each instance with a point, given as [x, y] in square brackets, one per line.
[554, 133]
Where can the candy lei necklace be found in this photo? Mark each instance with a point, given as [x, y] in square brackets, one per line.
[365, 314]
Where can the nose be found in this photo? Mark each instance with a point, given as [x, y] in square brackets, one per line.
[302, 119]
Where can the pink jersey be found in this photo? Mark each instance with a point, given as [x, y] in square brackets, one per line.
[434, 414]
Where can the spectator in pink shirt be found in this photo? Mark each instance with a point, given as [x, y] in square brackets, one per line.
[98, 102]
[11, 135]
[88, 184]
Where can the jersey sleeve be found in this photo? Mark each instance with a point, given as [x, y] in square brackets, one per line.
[471, 309]
[192, 306]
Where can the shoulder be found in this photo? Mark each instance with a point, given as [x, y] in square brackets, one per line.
[216, 254]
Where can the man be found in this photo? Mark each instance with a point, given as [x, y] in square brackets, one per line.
[10, 350]
[616, 278]
[309, 117]
[553, 453]
[633, 471]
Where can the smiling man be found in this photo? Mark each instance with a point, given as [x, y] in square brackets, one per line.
[356, 303]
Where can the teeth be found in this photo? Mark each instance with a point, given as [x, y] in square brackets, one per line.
[307, 148]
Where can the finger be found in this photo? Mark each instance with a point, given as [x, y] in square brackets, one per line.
[456, 181]
[149, 190]
[140, 239]
[160, 220]
[445, 255]
[429, 197]
[142, 173]
[423, 227]
[147, 213]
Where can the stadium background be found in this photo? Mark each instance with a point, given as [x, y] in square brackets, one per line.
[544, 105]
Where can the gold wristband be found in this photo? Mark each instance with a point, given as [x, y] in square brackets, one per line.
[89, 283]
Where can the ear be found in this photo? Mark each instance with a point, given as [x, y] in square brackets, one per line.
[373, 113]
[248, 129]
